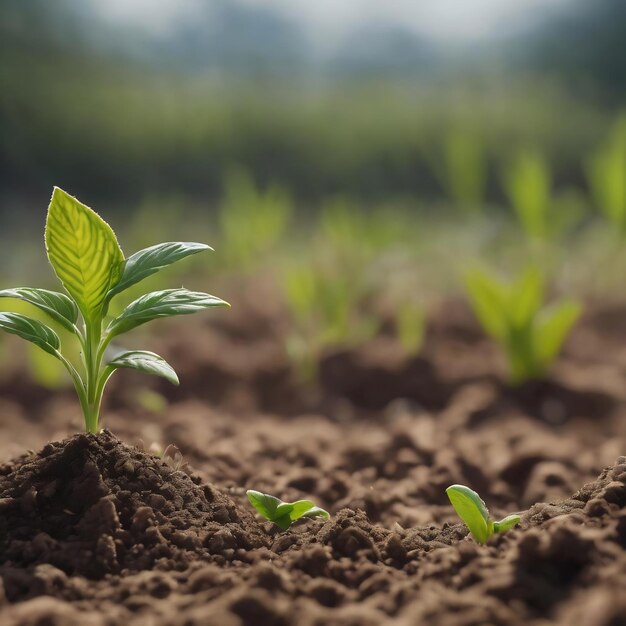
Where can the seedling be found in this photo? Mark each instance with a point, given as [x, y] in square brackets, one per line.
[283, 514]
[252, 220]
[473, 511]
[528, 184]
[325, 308]
[514, 314]
[410, 323]
[542, 214]
[87, 259]
[463, 170]
[354, 235]
[606, 173]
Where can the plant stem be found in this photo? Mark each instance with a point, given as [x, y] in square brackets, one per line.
[93, 360]
[79, 385]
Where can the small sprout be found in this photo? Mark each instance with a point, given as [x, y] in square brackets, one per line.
[89, 263]
[283, 514]
[473, 511]
[174, 458]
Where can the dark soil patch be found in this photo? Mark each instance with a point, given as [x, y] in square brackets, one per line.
[92, 506]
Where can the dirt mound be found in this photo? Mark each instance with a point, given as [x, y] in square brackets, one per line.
[91, 505]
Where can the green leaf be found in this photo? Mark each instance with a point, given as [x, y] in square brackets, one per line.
[488, 297]
[527, 296]
[472, 510]
[57, 305]
[32, 330]
[162, 304]
[506, 524]
[147, 362]
[264, 503]
[552, 328]
[299, 508]
[150, 260]
[283, 514]
[528, 185]
[315, 511]
[83, 252]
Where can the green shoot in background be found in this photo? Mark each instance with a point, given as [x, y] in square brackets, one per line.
[528, 185]
[88, 261]
[252, 221]
[410, 325]
[324, 306]
[514, 314]
[474, 514]
[464, 168]
[606, 174]
[283, 514]
[354, 235]
[542, 214]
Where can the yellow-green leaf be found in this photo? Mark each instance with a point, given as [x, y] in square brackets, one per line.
[83, 251]
[472, 510]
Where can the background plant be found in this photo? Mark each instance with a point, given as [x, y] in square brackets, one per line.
[252, 221]
[326, 307]
[410, 325]
[463, 169]
[87, 259]
[606, 174]
[515, 315]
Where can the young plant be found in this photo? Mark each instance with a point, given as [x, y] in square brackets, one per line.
[87, 259]
[410, 323]
[464, 168]
[528, 185]
[283, 514]
[515, 316]
[606, 173]
[324, 306]
[542, 215]
[356, 236]
[252, 220]
[474, 514]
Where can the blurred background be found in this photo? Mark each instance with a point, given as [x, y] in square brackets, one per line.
[125, 101]
[361, 154]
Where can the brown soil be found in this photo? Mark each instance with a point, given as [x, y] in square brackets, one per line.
[94, 531]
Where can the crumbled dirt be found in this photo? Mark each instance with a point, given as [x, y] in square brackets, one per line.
[92, 506]
[97, 532]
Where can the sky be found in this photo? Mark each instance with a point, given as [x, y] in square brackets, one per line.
[459, 20]
[440, 19]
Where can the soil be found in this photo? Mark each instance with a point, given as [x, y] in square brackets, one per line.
[96, 531]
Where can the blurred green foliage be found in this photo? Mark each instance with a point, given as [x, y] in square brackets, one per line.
[515, 315]
[606, 173]
[464, 170]
[410, 325]
[355, 187]
[528, 184]
[252, 221]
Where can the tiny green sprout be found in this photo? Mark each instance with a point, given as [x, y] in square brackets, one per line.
[472, 510]
[88, 261]
[283, 514]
